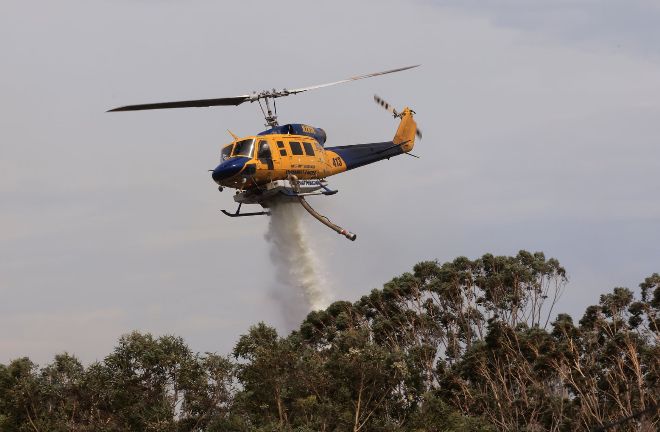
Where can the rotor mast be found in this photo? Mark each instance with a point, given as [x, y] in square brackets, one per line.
[271, 119]
[269, 115]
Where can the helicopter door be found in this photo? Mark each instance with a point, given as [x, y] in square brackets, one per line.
[264, 154]
[320, 156]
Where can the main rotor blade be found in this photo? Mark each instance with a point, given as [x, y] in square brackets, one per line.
[236, 100]
[355, 78]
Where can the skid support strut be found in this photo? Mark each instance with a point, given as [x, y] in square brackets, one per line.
[324, 220]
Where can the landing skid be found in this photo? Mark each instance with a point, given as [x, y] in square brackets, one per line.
[238, 213]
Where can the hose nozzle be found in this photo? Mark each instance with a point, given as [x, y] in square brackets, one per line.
[349, 235]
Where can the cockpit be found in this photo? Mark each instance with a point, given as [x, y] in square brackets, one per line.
[242, 148]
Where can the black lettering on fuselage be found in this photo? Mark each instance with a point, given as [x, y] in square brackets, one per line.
[301, 172]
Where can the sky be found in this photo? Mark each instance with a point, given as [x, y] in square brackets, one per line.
[540, 124]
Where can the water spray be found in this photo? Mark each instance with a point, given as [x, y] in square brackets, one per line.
[301, 286]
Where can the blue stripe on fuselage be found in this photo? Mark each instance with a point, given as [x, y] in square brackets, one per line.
[358, 155]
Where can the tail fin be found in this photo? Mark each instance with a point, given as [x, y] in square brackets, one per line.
[405, 134]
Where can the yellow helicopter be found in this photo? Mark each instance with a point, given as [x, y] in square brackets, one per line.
[291, 161]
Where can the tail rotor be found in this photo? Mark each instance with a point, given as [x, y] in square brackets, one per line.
[393, 111]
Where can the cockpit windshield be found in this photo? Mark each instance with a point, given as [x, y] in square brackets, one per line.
[226, 152]
[244, 148]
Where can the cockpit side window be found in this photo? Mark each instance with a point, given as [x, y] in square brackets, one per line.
[226, 152]
[309, 150]
[296, 148]
[244, 148]
[264, 150]
[280, 145]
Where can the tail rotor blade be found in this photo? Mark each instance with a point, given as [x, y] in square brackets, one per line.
[385, 105]
[393, 111]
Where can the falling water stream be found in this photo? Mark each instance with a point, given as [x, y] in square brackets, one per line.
[301, 287]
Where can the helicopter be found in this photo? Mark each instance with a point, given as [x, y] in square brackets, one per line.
[291, 161]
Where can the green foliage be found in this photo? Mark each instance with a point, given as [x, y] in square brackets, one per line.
[466, 345]
[18, 387]
[435, 415]
[145, 384]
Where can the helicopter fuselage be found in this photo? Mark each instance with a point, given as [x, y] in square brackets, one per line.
[257, 160]
[272, 155]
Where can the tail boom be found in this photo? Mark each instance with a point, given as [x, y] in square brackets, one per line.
[344, 158]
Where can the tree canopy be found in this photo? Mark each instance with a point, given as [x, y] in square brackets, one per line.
[467, 345]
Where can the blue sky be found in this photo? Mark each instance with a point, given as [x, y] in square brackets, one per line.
[540, 133]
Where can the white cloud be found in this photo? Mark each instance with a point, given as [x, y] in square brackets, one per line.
[608, 25]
